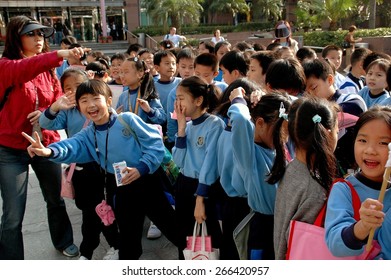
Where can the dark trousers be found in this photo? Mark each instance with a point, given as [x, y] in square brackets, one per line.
[260, 241]
[89, 192]
[143, 197]
[14, 167]
[184, 207]
[234, 211]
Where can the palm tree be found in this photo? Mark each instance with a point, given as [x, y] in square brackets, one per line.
[330, 10]
[267, 10]
[176, 10]
[231, 6]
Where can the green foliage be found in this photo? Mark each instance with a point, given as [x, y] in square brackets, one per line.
[324, 38]
[207, 29]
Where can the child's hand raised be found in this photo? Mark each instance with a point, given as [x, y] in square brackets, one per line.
[181, 118]
[64, 102]
[237, 92]
[36, 147]
[144, 105]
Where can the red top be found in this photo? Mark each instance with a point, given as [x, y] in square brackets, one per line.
[29, 78]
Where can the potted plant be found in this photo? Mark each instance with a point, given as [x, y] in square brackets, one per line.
[105, 39]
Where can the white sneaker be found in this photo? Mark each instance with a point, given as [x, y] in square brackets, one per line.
[153, 232]
[83, 258]
[112, 254]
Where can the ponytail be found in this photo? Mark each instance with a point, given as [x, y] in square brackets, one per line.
[314, 120]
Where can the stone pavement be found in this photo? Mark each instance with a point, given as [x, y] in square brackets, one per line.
[37, 243]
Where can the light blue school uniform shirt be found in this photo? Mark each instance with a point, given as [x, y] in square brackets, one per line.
[371, 99]
[340, 221]
[386, 102]
[128, 98]
[164, 89]
[71, 120]
[196, 153]
[146, 154]
[230, 178]
[253, 161]
[172, 125]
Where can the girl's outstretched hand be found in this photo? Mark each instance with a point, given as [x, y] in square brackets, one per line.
[36, 147]
[64, 102]
[237, 92]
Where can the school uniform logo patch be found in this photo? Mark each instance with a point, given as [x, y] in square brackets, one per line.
[200, 141]
[125, 132]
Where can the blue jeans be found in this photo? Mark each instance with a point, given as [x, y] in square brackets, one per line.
[14, 167]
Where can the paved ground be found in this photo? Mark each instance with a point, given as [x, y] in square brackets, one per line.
[36, 235]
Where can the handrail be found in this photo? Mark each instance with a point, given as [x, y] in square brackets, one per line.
[134, 35]
[156, 42]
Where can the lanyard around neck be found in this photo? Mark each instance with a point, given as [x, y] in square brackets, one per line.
[106, 148]
[130, 105]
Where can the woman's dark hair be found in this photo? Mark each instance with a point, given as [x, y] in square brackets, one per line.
[197, 87]
[13, 48]
[147, 86]
[268, 108]
[376, 112]
[286, 74]
[314, 137]
[72, 72]
[94, 87]
[248, 86]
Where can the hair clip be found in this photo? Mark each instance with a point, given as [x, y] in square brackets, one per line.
[316, 118]
[282, 113]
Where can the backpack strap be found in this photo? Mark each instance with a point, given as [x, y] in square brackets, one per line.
[128, 128]
[6, 94]
[355, 201]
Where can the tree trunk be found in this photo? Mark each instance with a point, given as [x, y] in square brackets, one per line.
[372, 14]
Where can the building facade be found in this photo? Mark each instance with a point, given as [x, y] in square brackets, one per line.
[80, 17]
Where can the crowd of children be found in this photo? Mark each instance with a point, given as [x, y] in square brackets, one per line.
[252, 132]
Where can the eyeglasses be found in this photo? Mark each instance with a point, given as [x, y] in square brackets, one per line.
[34, 33]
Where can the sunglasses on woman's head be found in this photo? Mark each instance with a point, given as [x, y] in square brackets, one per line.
[34, 33]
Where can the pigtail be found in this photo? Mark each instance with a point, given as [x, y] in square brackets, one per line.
[279, 165]
[147, 86]
[213, 96]
[315, 119]
[278, 169]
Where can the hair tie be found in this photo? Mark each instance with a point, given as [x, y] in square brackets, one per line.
[282, 113]
[147, 71]
[316, 118]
